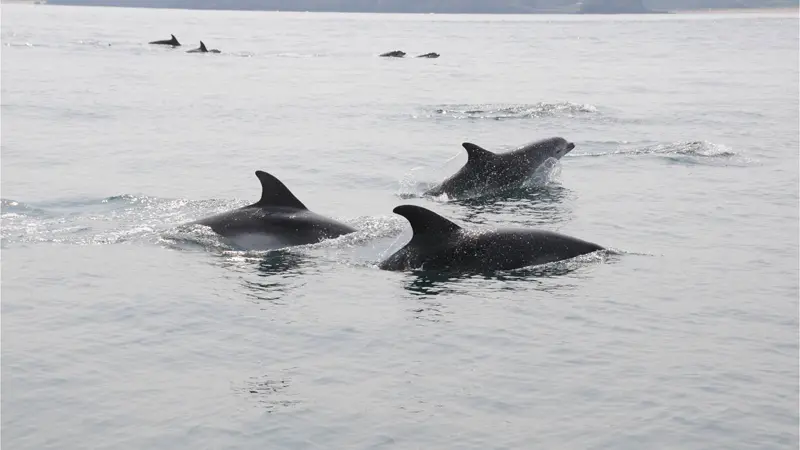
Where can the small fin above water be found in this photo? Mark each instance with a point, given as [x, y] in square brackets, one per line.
[203, 47]
[173, 41]
[275, 193]
[477, 154]
[425, 222]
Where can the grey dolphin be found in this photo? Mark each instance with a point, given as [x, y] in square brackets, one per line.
[439, 244]
[279, 216]
[429, 55]
[173, 42]
[394, 54]
[487, 171]
[202, 49]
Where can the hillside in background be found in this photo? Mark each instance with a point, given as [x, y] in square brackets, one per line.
[443, 6]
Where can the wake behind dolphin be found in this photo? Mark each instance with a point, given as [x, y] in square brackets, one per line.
[439, 244]
[487, 172]
[278, 218]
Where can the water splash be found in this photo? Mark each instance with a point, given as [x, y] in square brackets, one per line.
[414, 183]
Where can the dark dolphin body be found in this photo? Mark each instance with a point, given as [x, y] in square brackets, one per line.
[394, 54]
[173, 42]
[441, 245]
[279, 216]
[202, 49]
[486, 171]
[429, 55]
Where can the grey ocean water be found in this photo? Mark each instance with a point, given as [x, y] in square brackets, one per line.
[122, 331]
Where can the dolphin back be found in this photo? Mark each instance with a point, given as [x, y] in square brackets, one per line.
[487, 172]
[278, 214]
[439, 244]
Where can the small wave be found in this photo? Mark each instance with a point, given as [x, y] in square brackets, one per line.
[701, 149]
[505, 111]
[111, 220]
[298, 55]
[128, 198]
[8, 206]
[19, 44]
[134, 217]
[268, 392]
[54, 112]
[94, 43]
[249, 54]
[685, 151]
[194, 237]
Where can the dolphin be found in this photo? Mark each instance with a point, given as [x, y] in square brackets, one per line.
[394, 54]
[487, 171]
[279, 217]
[429, 55]
[439, 244]
[173, 42]
[202, 49]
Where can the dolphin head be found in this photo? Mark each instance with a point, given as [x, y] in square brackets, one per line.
[558, 147]
[554, 147]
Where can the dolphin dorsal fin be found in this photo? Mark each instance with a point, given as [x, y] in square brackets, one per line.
[203, 46]
[425, 222]
[477, 154]
[275, 193]
[173, 37]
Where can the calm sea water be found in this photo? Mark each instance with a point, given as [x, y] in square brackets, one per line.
[122, 331]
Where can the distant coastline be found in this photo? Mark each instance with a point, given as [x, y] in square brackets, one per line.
[615, 7]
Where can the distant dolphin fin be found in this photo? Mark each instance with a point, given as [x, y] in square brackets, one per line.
[477, 154]
[275, 193]
[425, 222]
[203, 46]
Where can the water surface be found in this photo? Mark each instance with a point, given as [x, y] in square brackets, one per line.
[121, 330]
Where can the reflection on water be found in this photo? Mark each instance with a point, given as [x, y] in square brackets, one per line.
[429, 282]
[425, 283]
[269, 276]
[529, 206]
[425, 286]
[281, 262]
[541, 194]
[269, 392]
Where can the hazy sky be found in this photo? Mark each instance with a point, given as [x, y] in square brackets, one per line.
[428, 6]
